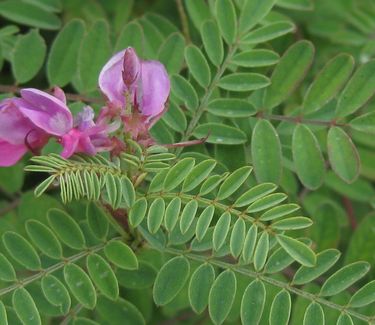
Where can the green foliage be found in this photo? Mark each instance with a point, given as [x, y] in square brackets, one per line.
[263, 83]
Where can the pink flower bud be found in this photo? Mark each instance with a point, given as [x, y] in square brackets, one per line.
[131, 67]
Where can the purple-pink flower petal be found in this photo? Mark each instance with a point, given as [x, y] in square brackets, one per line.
[10, 154]
[45, 111]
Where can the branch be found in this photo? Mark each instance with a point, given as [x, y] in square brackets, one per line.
[184, 20]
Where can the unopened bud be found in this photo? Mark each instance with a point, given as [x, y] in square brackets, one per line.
[131, 67]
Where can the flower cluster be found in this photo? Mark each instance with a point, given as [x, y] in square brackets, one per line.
[136, 93]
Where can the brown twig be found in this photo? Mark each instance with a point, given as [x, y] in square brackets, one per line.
[350, 212]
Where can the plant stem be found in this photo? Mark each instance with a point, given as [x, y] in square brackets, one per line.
[184, 20]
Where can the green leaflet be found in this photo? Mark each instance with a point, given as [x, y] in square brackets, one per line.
[261, 251]
[237, 238]
[7, 272]
[212, 42]
[358, 91]
[22, 251]
[344, 278]
[233, 182]
[131, 35]
[252, 303]
[80, 285]
[253, 12]
[288, 74]
[226, 19]
[138, 212]
[178, 173]
[102, 275]
[183, 90]
[92, 57]
[121, 255]
[25, 307]
[343, 155]
[249, 244]
[66, 229]
[255, 193]
[232, 108]
[62, 59]
[198, 65]
[170, 280]
[188, 215]
[364, 123]
[3, 314]
[314, 315]
[243, 81]
[298, 250]
[344, 319]
[221, 296]
[266, 152]
[204, 221]
[268, 32]
[308, 158]
[44, 239]
[198, 174]
[56, 293]
[97, 220]
[256, 58]
[141, 278]
[280, 309]
[199, 287]
[220, 134]
[221, 231]
[172, 214]
[28, 55]
[364, 296]
[171, 53]
[29, 14]
[328, 82]
[324, 261]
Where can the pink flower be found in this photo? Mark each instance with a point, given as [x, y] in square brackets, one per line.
[140, 89]
[28, 122]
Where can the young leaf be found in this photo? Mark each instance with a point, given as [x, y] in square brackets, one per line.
[7, 272]
[290, 71]
[188, 215]
[253, 12]
[220, 134]
[252, 303]
[358, 91]
[255, 193]
[25, 307]
[56, 293]
[170, 280]
[232, 108]
[307, 157]
[227, 20]
[233, 182]
[171, 53]
[314, 315]
[221, 231]
[97, 220]
[249, 244]
[280, 309]
[28, 55]
[222, 296]
[269, 32]
[66, 229]
[29, 14]
[266, 152]
[138, 212]
[121, 255]
[198, 65]
[199, 287]
[177, 174]
[364, 296]
[256, 58]
[21, 250]
[324, 261]
[95, 50]
[204, 221]
[237, 237]
[44, 239]
[212, 42]
[243, 81]
[102, 275]
[298, 250]
[62, 59]
[343, 155]
[198, 174]
[328, 82]
[261, 251]
[344, 278]
[80, 285]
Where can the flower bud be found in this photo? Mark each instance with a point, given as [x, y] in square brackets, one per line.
[131, 67]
